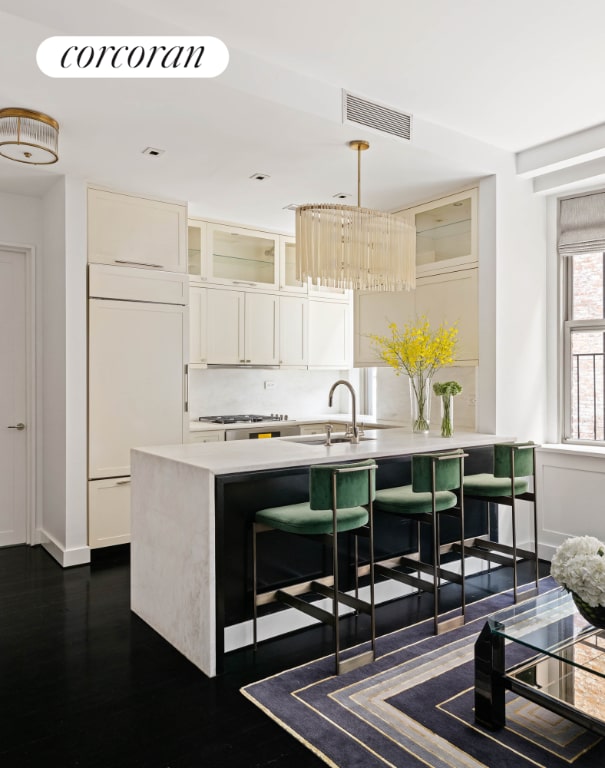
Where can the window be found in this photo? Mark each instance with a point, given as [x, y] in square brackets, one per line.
[582, 245]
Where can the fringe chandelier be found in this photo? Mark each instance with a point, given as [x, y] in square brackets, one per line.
[343, 246]
[28, 137]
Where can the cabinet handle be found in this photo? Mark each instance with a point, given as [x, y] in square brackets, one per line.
[138, 263]
[243, 282]
[20, 426]
[186, 388]
[248, 361]
[122, 482]
[242, 361]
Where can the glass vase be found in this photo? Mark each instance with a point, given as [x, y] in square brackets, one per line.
[447, 415]
[420, 396]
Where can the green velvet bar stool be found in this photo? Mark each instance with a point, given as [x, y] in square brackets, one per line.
[340, 501]
[514, 465]
[435, 491]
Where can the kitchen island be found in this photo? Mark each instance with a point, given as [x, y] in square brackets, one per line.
[192, 506]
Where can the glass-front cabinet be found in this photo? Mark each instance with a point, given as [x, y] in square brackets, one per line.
[446, 232]
[231, 255]
[288, 272]
[240, 256]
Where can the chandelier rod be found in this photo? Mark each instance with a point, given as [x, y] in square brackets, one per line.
[360, 145]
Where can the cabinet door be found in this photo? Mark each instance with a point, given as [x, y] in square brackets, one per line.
[288, 280]
[446, 232]
[261, 336]
[293, 331]
[240, 256]
[225, 339]
[453, 298]
[373, 313]
[198, 324]
[135, 381]
[134, 231]
[329, 334]
[196, 250]
[215, 436]
[108, 512]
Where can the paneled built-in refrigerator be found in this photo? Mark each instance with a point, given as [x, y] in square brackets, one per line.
[137, 350]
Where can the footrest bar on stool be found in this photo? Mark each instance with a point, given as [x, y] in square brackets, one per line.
[404, 578]
[311, 610]
[485, 554]
[505, 549]
[352, 602]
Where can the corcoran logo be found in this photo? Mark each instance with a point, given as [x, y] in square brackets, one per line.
[100, 56]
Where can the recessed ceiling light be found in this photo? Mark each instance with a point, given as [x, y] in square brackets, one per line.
[153, 151]
[341, 195]
[260, 176]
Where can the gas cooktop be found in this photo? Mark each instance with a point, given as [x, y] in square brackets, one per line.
[245, 417]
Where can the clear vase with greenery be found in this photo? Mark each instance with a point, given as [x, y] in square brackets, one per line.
[418, 352]
[447, 390]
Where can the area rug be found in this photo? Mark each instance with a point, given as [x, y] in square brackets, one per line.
[413, 707]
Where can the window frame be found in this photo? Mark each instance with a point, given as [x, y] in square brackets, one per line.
[569, 326]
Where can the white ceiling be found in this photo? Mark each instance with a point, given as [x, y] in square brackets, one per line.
[508, 74]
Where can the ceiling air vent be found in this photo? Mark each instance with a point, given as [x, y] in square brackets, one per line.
[377, 116]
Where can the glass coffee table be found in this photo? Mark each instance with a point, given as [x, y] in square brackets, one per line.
[558, 662]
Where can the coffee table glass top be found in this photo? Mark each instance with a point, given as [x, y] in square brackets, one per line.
[551, 624]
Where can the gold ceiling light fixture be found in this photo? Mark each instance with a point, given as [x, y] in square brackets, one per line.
[343, 246]
[28, 137]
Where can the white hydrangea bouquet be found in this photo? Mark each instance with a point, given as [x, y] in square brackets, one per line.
[579, 566]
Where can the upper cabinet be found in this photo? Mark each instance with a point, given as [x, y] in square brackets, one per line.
[446, 233]
[136, 232]
[288, 280]
[231, 255]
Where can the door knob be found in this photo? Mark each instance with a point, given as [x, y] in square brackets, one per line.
[18, 426]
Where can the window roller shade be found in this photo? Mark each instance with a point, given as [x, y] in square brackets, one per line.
[582, 224]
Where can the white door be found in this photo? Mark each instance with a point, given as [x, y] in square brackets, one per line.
[13, 402]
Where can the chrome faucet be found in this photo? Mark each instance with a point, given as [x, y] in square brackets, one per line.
[355, 430]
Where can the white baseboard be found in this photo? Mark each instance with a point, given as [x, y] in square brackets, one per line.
[65, 557]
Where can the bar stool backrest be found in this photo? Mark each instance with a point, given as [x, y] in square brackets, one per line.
[517, 455]
[447, 469]
[355, 484]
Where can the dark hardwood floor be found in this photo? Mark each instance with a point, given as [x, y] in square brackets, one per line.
[87, 684]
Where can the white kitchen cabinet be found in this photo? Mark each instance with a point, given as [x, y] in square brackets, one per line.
[216, 436]
[373, 312]
[453, 298]
[243, 328]
[198, 324]
[108, 512]
[288, 280]
[449, 297]
[134, 231]
[446, 233]
[197, 264]
[293, 331]
[241, 257]
[135, 380]
[330, 343]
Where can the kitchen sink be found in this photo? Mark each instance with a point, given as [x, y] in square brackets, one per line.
[321, 439]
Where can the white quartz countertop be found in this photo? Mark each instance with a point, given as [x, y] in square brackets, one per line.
[254, 455]
[326, 418]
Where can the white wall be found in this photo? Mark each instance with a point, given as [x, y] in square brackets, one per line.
[63, 275]
[297, 393]
[393, 401]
